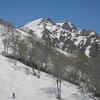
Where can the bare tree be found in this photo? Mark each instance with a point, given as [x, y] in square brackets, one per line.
[35, 54]
[60, 64]
[23, 51]
[6, 39]
[38, 59]
[14, 44]
[31, 55]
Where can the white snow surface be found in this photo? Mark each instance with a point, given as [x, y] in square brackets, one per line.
[13, 79]
[64, 52]
[22, 33]
[34, 23]
[92, 33]
[79, 39]
[61, 24]
[87, 51]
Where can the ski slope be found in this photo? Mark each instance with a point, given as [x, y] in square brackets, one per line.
[13, 79]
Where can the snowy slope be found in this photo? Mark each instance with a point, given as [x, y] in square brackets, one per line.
[34, 25]
[13, 79]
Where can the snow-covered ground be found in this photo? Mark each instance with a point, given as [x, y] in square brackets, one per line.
[13, 79]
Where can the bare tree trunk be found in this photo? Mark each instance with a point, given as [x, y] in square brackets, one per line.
[59, 87]
[4, 49]
[26, 70]
[34, 71]
[59, 90]
[32, 67]
[7, 50]
[38, 71]
[15, 57]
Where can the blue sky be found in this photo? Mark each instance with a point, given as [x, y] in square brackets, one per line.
[82, 13]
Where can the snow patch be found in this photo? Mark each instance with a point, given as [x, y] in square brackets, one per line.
[87, 51]
[33, 23]
[92, 33]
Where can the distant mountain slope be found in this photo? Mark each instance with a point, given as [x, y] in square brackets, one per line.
[65, 36]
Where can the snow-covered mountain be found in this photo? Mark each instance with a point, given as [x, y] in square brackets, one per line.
[65, 36]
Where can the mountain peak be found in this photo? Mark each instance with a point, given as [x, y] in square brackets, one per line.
[40, 21]
[68, 26]
[47, 21]
[85, 32]
[34, 22]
